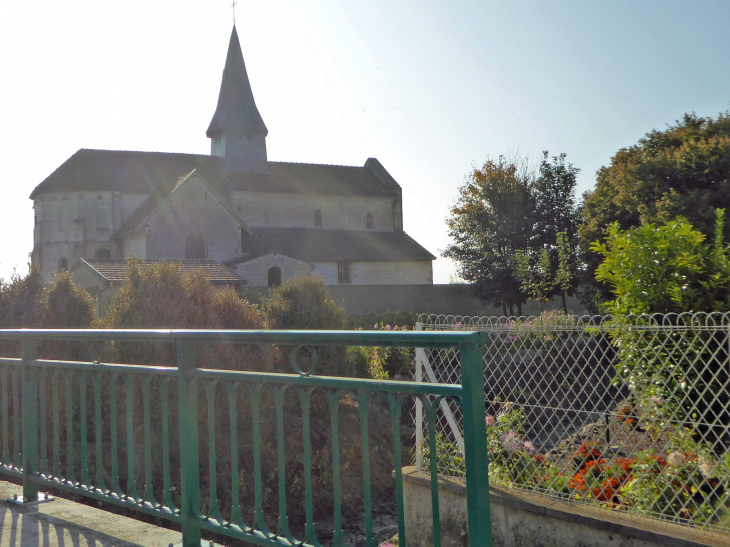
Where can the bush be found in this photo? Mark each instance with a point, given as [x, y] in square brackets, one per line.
[25, 302]
[671, 270]
[302, 303]
[160, 296]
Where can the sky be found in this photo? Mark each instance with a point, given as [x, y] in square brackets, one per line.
[431, 89]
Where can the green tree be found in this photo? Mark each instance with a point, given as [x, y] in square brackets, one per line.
[683, 170]
[665, 269]
[492, 219]
[670, 269]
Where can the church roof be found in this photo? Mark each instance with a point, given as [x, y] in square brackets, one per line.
[115, 271]
[316, 245]
[157, 173]
[236, 106]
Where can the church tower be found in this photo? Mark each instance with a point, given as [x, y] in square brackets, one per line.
[237, 132]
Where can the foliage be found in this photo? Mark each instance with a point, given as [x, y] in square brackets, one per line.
[683, 170]
[21, 300]
[382, 363]
[666, 269]
[160, 296]
[302, 303]
[506, 225]
[25, 302]
[367, 320]
[492, 219]
[688, 484]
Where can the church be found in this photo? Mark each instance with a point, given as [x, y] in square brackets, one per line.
[262, 221]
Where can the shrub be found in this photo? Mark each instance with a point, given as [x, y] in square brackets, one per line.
[302, 303]
[368, 320]
[160, 296]
[25, 302]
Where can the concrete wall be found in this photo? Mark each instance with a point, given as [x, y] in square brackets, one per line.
[288, 210]
[526, 520]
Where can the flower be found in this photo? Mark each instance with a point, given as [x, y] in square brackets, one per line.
[376, 326]
[707, 467]
[511, 441]
[387, 327]
[675, 459]
[490, 420]
[529, 447]
[655, 399]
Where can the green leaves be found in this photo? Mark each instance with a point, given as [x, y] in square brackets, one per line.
[665, 269]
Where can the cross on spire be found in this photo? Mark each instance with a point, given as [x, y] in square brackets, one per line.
[233, 6]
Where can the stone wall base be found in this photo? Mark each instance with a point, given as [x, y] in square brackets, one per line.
[520, 519]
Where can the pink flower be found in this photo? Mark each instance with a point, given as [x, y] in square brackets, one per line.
[387, 327]
[396, 328]
[375, 326]
[511, 441]
[490, 420]
[529, 447]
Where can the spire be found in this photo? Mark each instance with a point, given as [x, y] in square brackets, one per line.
[236, 106]
[237, 131]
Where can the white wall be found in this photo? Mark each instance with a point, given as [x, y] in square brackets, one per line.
[256, 271]
[297, 210]
[396, 272]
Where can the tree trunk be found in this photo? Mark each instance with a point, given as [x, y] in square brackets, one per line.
[504, 308]
[565, 304]
[511, 311]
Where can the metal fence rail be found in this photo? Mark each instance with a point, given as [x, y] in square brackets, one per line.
[630, 413]
[236, 452]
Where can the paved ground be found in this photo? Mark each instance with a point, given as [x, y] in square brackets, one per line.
[64, 523]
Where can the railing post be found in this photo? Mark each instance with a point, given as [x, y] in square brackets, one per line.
[475, 449]
[28, 354]
[189, 451]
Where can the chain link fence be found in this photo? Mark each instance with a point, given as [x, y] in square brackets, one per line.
[630, 413]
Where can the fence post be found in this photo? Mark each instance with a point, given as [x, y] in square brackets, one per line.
[28, 354]
[189, 451]
[419, 406]
[475, 449]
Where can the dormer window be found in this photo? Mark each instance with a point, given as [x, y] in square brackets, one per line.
[318, 219]
[369, 221]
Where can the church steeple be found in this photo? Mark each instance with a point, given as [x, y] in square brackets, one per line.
[237, 132]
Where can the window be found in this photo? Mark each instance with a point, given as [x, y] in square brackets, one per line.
[369, 221]
[63, 264]
[274, 276]
[195, 247]
[318, 219]
[343, 272]
[103, 252]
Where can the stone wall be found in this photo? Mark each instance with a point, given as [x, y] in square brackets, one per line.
[423, 298]
[287, 210]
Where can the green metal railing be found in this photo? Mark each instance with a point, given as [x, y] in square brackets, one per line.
[129, 441]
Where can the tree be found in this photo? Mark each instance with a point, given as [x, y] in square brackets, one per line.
[549, 267]
[665, 269]
[670, 269]
[491, 220]
[681, 171]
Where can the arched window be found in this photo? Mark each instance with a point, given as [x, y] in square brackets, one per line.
[62, 263]
[103, 252]
[274, 276]
[195, 247]
[369, 221]
[318, 219]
